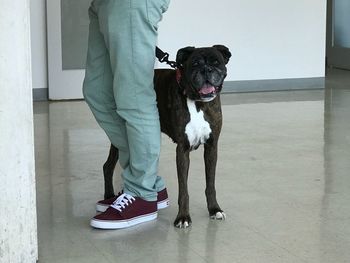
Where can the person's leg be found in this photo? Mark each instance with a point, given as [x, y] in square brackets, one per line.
[129, 30]
[98, 89]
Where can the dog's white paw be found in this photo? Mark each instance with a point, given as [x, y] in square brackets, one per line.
[183, 224]
[219, 216]
[183, 221]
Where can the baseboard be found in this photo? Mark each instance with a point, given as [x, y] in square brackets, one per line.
[40, 94]
[273, 85]
[242, 86]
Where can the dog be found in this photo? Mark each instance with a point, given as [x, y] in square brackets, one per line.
[189, 106]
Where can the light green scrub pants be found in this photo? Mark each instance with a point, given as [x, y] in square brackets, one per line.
[118, 86]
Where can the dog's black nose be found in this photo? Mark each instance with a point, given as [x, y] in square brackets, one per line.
[206, 69]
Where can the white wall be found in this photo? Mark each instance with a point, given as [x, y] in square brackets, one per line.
[271, 39]
[18, 229]
[38, 41]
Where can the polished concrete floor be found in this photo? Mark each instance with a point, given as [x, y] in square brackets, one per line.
[283, 179]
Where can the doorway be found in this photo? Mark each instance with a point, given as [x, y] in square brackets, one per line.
[67, 24]
[338, 34]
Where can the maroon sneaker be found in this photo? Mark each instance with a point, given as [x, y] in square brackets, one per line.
[102, 205]
[126, 211]
[162, 201]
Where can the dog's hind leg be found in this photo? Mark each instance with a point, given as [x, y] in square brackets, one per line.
[183, 219]
[108, 170]
[210, 159]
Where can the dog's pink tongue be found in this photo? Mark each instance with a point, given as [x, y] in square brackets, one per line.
[207, 90]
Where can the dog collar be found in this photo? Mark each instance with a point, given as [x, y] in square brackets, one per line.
[178, 76]
[178, 79]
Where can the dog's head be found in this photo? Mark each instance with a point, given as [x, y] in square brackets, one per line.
[203, 71]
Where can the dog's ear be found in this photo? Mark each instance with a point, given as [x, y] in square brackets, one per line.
[183, 54]
[224, 51]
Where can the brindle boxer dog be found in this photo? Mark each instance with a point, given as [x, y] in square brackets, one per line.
[190, 114]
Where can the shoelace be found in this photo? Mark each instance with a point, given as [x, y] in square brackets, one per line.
[122, 201]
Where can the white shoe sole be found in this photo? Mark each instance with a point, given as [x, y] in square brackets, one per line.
[118, 224]
[160, 205]
[163, 204]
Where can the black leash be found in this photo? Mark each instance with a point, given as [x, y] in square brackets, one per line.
[163, 57]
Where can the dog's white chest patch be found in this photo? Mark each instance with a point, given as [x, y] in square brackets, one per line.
[198, 129]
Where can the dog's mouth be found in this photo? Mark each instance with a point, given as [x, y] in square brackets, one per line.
[208, 92]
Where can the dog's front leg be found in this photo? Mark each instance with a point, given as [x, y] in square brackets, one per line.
[108, 170]
[210, 159]
[183, 219]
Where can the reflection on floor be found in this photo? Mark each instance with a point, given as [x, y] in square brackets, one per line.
[282, 179]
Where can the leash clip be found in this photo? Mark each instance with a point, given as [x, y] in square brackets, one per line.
[172, 64]
[163, 57]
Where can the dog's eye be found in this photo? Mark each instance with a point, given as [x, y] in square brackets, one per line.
[216, 62]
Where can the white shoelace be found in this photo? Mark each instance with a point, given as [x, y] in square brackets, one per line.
[122, 201]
